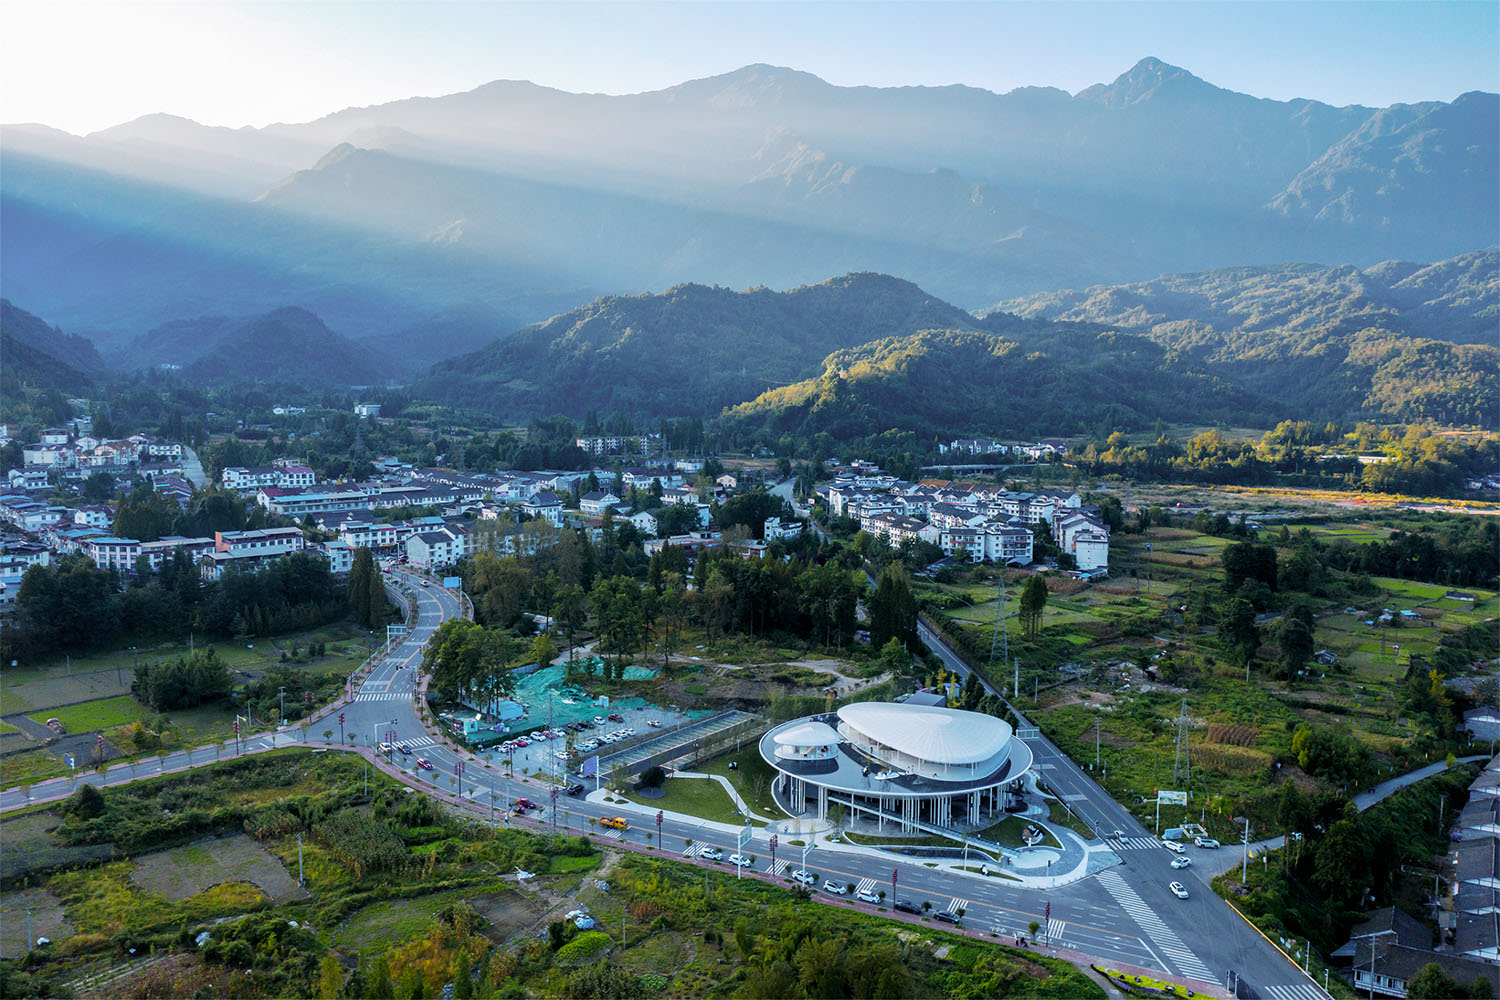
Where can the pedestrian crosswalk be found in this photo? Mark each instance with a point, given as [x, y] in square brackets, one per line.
[778, 868]
[955, 904]
[1055, 929]
[691, 850]
[1163, 937]
[1295, 991]
[611, 833]
[382, 696]
[1133, 843]
[418, 742]
[865, 885]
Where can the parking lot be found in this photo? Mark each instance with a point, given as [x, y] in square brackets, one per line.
[541, 756]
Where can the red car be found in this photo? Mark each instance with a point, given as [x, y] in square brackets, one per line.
[424, 763]
[616, 717]
[525, 804]
[523, 743]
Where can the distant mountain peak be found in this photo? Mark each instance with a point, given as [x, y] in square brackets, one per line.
[1141, 82]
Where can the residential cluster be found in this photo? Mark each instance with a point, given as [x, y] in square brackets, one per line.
[1387, 950]
[71, 453]
[970, 522]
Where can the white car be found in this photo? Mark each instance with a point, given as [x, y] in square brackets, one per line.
[629, 732]
[385, 748]
[1207, 843]
[600, 720]
[559, 755]
[1181, 861]
[1179, 890]
[1172, 846]
[711, 853]
[866, 896]
[837, 888]
[805, 877]
[739, 860]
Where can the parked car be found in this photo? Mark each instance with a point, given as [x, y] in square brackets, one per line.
[1179, 890]
[653, 723]
[385, 748]
[837, 888]
[946, 916]
[526, 803]
[575, 789]
[711, 853]
[906, 906]
[1181, 861]
[616, 717]
[739, 860]
[559, 755]
[805, 877]
[1207, 843]
[1172, 846]
[599, 720]
[424, 763]
[866, 896]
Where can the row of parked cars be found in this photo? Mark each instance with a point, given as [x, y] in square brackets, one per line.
[866, 896]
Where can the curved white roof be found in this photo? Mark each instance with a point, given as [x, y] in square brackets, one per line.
[809, 734]
[940, 735]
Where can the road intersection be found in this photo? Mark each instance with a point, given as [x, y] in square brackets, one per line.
[1122, 916]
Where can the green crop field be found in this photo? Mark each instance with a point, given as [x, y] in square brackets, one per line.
[90, 715]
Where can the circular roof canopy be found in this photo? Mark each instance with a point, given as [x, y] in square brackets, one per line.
[809, 734]
[940, 735]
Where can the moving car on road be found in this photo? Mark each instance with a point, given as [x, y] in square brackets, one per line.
[1207, 843]
[946, 916]
[1172, 846]
[615, 822]
[1179, 890]
[424, 763]
[1181, 861]
[738, 860]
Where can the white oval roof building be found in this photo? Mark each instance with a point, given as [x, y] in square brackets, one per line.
[915, 765]
[946, 736]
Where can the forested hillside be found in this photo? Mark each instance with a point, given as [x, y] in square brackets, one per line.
[689, 351]
[1400, 340]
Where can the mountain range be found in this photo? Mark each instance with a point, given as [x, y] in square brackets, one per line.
[1397, 341]
[470, 215]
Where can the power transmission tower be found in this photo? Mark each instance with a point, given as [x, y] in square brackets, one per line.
[1001, 634]
[1180, 766]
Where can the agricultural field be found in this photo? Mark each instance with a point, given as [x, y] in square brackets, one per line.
[402, 891]
[1123, 653]
[88, 694]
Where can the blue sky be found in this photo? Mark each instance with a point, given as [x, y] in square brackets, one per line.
[82, 65]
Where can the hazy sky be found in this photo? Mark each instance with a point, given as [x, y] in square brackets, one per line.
[82, 66]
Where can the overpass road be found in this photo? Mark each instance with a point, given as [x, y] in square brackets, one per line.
[1124, 915]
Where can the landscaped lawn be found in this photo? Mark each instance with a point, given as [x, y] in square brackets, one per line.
[701, 797]
[1008, 832]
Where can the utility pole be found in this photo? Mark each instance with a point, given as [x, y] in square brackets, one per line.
[1096, 743]
[282, 692]
[1245, 862]
[1181, 769]
[1001, 633]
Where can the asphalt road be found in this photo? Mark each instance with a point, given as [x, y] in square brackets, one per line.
[1209, 933]
[1124, 915]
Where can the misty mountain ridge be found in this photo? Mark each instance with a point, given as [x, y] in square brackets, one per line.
[288, 344]
[529, 200]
